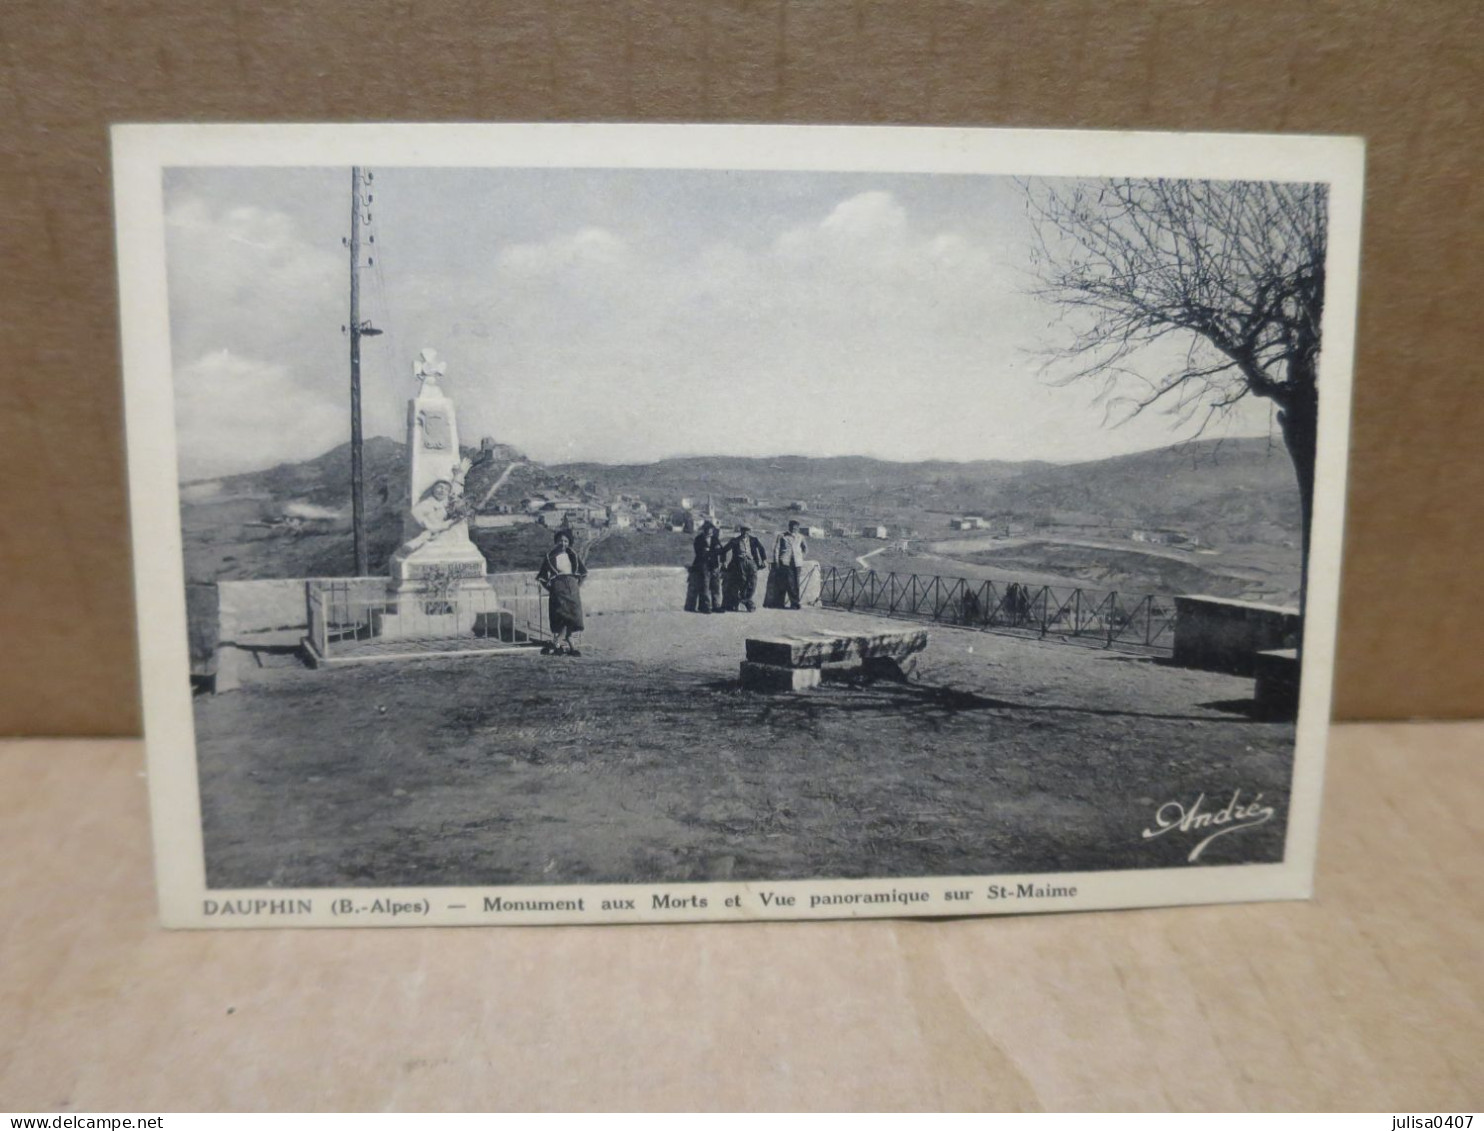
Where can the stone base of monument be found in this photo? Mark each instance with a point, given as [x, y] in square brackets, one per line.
[797, 663]
[457, 619]
[416, 625]
[458, 610]
[456, 560]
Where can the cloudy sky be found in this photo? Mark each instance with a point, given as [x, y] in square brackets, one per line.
[622, 315]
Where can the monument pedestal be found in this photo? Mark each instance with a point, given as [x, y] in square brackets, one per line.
[449, 557]
[469, 608]
[439, 589]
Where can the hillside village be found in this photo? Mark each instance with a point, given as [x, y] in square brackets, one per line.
[1232, 504]
[591, 510]
[1196, 496]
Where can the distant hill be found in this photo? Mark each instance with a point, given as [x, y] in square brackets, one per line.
[325, 479]
[1228, 485]
[788, 477]
[236, 527]
[1224, 487]
[1239, 490]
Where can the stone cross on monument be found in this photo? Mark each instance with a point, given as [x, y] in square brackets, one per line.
[435, 530]
[428, 368]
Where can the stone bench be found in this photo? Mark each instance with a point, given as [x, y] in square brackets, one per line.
[798, 662]
[1219, 634]
[1277, 683]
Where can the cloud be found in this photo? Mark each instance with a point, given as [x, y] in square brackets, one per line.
[880, 321]
[823, 333]
[580, 251]
[236, 413]
[256, 311]
[238, 275]
[867, 215]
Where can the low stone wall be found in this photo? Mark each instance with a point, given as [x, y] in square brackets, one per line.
[253, 616]
[810, 579]
[201, 628]
[1223, 635]
[618, 589]
[640, 589]
[233, 620]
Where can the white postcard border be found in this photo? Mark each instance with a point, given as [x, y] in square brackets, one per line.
[142, 152]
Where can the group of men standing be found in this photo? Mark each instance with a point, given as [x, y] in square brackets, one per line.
[724, 574]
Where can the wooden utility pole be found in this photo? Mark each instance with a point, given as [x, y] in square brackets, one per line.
[357, 487]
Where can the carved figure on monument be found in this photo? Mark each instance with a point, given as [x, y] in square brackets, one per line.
[436, 531]
[441, 508]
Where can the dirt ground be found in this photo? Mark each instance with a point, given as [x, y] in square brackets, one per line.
[643, 760]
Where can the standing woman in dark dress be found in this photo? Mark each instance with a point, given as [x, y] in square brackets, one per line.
[706, 568]
[561, 575]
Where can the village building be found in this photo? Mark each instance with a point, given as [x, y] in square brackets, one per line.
[500, 521]
[564, 512]
[690, 520]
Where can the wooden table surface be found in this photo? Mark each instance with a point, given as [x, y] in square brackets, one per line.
[1368, 997]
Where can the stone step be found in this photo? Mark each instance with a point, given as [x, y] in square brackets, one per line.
[768, 677]
[810, 651]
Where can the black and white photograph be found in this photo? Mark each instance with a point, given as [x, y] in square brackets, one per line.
[584, 524]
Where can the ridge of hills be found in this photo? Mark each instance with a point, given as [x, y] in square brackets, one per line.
[787, 475]
[1233, 490]
[1216, 486]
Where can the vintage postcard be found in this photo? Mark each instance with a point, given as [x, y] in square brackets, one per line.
[579, 524]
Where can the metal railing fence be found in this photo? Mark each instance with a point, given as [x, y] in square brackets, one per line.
[345, 619]
[1086, 615]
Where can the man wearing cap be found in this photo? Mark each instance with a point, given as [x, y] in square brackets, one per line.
[743, 556]
[788, 556]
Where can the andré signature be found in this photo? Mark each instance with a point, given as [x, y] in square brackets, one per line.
[1173, 816]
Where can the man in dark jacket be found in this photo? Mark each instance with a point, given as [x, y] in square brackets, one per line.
[707, 569]
[743, 556]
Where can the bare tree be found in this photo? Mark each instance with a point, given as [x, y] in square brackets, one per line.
[1233, 271]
